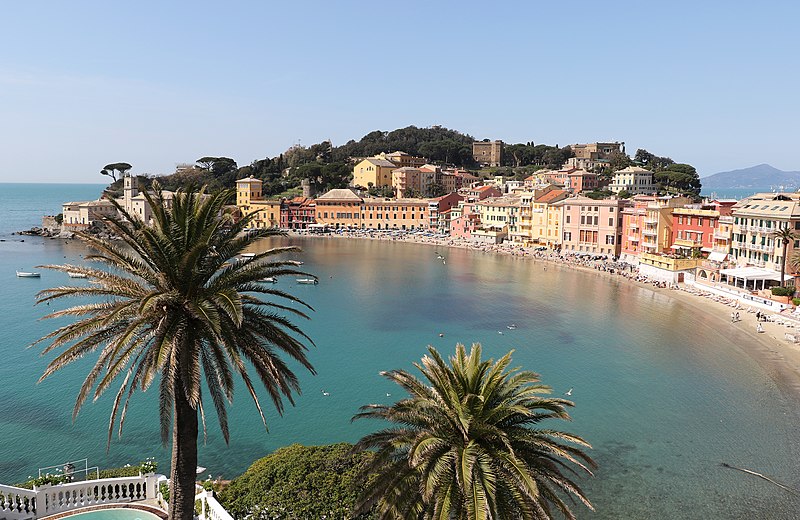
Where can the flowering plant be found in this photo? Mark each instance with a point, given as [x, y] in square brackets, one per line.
[149, 465]
[50, 479]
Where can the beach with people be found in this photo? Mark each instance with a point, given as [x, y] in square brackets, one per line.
[773, 338]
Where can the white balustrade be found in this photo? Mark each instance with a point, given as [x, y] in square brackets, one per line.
[17, 503]
[74, 495]
[210, 508]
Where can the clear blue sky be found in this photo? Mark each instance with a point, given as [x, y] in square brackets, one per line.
[82, 83]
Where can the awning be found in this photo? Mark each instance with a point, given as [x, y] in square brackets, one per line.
[676, 246]
[717, 256]
[752, 273]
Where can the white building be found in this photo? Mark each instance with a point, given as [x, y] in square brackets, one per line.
[634, 180]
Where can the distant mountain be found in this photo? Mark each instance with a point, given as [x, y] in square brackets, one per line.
[762, 177]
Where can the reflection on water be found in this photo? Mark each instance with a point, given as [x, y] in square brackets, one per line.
[663, 394]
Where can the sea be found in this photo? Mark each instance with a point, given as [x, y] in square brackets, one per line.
[664, 393]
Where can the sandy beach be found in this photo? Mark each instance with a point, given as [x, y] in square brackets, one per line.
[779, 357]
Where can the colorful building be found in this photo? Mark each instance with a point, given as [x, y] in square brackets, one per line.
[754, 244]
[399, 214]
[695, 226]
[591, 226]
[298, 213]
[339, 209]
[249, 200]
[440, 211]
[546, 218]
[373, 171]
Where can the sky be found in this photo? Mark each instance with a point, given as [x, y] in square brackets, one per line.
[154, 84]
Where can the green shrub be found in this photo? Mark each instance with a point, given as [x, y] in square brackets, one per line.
[783, 291]
[796, 301]
[301, 482]
[164, 489]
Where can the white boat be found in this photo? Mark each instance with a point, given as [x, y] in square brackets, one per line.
[248, 255]
[310, 281]
[73, 274]
[269, 279]
[25, 274]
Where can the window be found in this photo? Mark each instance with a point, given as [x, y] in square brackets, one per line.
[567, 236]
[610, 240]
[567, 221]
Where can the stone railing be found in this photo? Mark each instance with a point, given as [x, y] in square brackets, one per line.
[17, 503]
[49, 500]
[210, 508]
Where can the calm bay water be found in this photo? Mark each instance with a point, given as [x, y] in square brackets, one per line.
[663, 393]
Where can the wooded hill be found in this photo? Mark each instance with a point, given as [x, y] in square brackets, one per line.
[328, 166]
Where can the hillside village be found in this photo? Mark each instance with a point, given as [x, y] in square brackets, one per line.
[625, 216]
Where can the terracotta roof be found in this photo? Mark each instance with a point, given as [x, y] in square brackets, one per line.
[339, 194]
[381, 162]
[551, 196]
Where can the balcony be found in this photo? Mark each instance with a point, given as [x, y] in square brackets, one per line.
[650, 232]
[721, 236]
[633, 225]
[726, 219]
[651, 221]
[633, 238]
[688, 242]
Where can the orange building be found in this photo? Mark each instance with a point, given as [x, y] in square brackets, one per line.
[339, 208]
[401, 214]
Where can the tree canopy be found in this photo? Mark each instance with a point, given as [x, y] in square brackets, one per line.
[300, 482]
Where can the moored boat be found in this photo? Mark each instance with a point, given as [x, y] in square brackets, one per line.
[73, 274]
[269, 279]
[28, 274]
[310, 281]
[248, 255]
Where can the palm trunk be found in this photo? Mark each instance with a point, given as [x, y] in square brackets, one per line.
[184, 458]
[783, 262]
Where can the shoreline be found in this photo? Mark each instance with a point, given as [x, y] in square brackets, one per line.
[778, 358]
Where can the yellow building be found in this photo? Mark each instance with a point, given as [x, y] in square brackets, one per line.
[80, 215]
[401, 214]
[402, 159]
[657, 231]
[546, 218]
[249, 199]
[373, 171]
[500, 214]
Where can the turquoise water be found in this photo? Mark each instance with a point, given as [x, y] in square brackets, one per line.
[663, 393]
[115, 514]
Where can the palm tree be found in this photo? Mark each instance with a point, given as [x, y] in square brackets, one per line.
[786, 236]
[175, 307]
[466, 446]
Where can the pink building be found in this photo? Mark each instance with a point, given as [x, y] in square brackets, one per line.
[591, 226]
[581, 180]
[632, 227]
[439, 210]
[481, 192]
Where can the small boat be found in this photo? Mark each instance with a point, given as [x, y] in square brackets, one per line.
[310, 281]
[248, 255]
[26, 274]
[511, 327]
[269, 279]
[73, 274]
